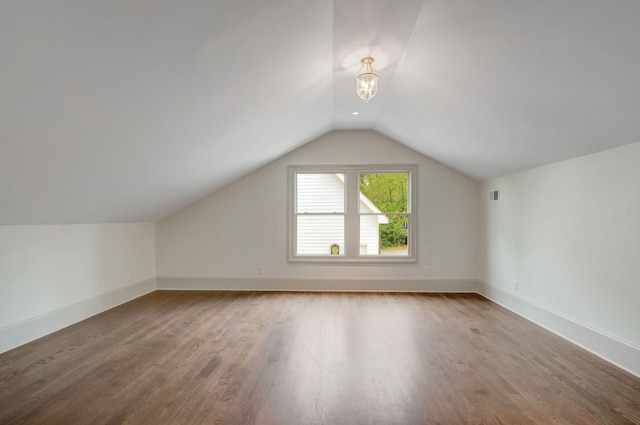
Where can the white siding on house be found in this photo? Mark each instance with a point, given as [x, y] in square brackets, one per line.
[316, 234]
[320, 193]
[369, 233]
[370, 226]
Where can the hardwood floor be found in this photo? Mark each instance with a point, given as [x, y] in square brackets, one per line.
[175, 357]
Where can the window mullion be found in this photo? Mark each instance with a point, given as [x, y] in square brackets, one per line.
[352, 219]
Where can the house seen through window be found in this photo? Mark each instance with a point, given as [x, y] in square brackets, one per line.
[358, 213]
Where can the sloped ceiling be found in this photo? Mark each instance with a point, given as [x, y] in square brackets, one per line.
[127, 110]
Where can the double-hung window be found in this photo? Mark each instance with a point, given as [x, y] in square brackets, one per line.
[363, 213]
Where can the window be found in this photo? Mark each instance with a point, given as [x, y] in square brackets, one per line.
[352, 213]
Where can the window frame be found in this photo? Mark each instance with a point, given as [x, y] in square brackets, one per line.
[352, 213]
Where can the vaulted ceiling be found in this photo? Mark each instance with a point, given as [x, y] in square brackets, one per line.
[127, 110]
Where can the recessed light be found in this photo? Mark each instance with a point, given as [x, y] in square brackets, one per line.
[355, 113]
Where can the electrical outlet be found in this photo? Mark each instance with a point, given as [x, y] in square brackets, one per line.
[260, 269]
[127, 277]
[427, 271]
[515, 285]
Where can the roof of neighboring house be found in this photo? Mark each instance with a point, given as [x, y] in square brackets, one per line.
[368, 203]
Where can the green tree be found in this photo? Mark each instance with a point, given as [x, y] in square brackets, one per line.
[389, 192]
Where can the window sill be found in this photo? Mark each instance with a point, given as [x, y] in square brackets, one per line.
[353, 260]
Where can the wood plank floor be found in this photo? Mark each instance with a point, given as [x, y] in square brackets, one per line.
[176, 357]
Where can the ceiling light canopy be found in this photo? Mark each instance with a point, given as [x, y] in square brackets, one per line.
[367, 80]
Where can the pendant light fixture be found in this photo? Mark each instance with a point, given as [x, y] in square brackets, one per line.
[367, 80]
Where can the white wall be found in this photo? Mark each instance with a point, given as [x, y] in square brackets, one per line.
[234, 230]
[54, 275]
[569, 233]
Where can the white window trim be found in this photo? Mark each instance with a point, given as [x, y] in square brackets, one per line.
[352, 215]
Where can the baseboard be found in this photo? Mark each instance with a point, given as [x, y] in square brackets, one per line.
[427, 284]
[614, 350]
[20, 333]
[618, 352]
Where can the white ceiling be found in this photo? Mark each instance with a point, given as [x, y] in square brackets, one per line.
[127, 110]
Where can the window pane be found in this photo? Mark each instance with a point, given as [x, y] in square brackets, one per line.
[384, 234]
[320, 193]
[316, 234]
[321, 213]
[384, 192]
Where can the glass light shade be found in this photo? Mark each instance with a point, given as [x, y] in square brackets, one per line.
[367, 80]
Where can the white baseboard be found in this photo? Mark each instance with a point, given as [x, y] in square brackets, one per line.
[614, 350]
[620, 353]
[427, 284]
[20, 333]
